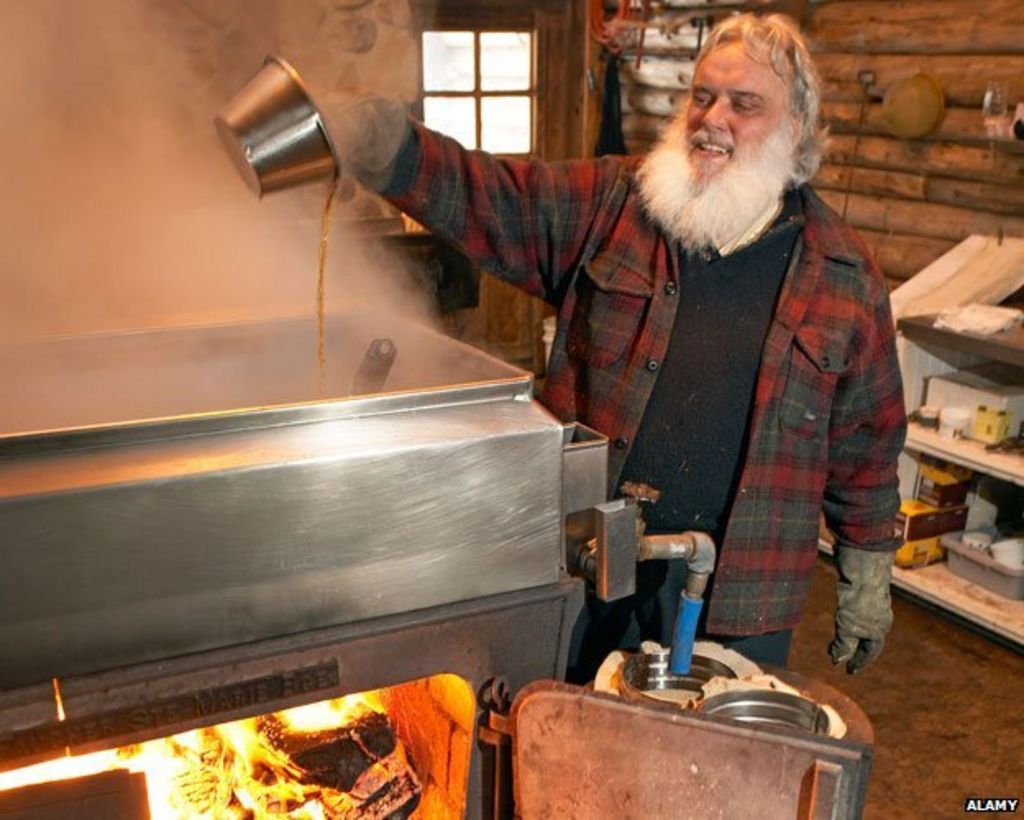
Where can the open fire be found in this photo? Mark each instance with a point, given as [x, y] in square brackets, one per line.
[339, 758]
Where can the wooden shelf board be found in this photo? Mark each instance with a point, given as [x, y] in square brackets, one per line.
[940, 587]
[937, 585]
[1006, 347]
[1005, 466]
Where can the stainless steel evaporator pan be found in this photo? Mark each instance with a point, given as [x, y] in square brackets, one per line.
[192, 492]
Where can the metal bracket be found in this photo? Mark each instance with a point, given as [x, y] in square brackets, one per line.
[615, 524]
[495, 699]
[604, 542]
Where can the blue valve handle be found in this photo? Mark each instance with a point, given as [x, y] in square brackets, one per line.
[684, 633]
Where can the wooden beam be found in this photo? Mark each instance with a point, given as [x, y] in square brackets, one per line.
[559, 127]
[978, 196]
[958, 124]
[115, 794]
[919, 26]
[901, 256]
[870, 181]
[921, 219]
[997, 164]
[963, 76]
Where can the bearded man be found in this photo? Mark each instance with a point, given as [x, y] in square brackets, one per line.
[716, 320]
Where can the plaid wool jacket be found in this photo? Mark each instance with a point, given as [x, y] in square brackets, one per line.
[828, 420]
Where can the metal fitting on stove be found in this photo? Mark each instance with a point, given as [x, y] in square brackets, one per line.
[697, 549]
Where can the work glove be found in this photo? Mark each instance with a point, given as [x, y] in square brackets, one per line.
[367, 131]
[863, 606]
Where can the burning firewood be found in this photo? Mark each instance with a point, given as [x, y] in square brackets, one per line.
[389, 790]
[360, 767]
[338, 760]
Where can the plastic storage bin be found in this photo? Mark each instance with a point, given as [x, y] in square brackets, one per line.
[980, 568]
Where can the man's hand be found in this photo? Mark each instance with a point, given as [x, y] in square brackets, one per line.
[863, 606]
[367, 132]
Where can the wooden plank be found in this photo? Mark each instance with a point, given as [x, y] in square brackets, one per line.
[963, 76]
[561, 81]
[978, 196]
[920, 26]
[971, 454]
[901, 256]
[957, 125]
[948, 591]
[921, 218]
[983, 196]
[979, 269]
[1006, 347]
[999, 163]
[871, 181]
[115, 795]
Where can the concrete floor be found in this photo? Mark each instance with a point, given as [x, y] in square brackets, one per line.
[946, 703]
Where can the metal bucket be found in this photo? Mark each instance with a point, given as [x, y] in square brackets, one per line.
[274, 132]
[647, 676]
[765, 707]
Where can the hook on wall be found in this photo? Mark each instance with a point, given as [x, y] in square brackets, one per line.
[702, 24]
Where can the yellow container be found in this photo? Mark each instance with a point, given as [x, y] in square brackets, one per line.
[991, 425]
[920, 553]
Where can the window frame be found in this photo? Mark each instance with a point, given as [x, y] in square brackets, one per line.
[478, 94]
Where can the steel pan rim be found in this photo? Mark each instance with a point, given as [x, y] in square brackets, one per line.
[766, 707]
[644, 674]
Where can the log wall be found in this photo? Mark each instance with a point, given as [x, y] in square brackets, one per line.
[912, 200]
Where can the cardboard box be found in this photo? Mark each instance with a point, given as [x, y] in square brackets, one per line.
[942, 485]
[994, 386]
[918, 520]
[920, 553]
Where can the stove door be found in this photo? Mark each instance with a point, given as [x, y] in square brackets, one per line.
[581, 754]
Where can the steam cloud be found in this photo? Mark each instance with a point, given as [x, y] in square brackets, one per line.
[120, 208]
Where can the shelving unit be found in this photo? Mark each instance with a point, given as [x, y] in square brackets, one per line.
[1006, 347]
[927, 351]
[940, 587]
[972, 454]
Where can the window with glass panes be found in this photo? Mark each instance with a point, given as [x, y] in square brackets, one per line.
[479, 88]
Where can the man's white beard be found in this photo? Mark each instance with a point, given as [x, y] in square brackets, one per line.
[700, 212]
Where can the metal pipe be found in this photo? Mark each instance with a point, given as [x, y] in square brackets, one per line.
[697, 549]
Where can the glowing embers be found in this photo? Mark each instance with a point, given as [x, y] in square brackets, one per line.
[343, 758]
